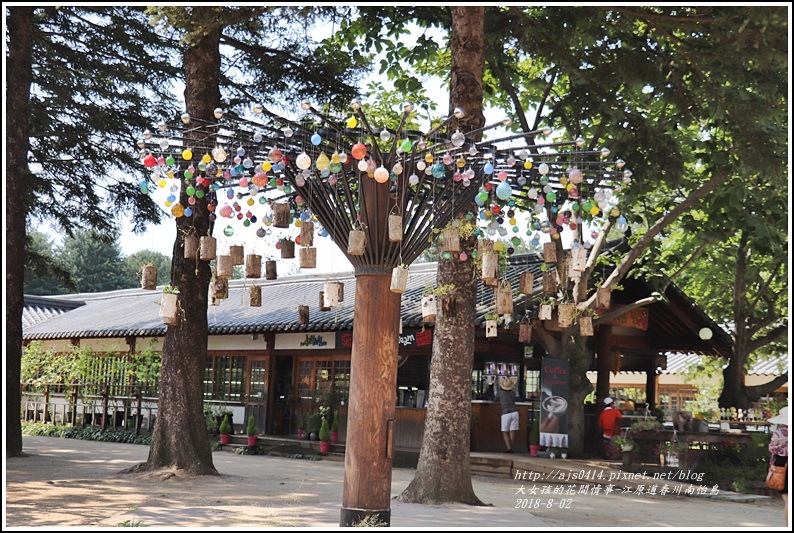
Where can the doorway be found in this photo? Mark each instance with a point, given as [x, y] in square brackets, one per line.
[281, 415]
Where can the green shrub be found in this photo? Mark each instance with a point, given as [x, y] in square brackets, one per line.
[325, 431]
[335, 423]
[226, 426]
[534, 432]
[251, 428]
[84, 433]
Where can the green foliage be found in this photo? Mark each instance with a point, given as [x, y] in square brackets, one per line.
[211, 421]
[325, 431]
[313, 422]
[738, 467]
[646, 424]
[84, 433]
[170, 289]
[335, 422]
[250, 428]
[534, 432]
[131, 523]
[226, 426]
[302, 420]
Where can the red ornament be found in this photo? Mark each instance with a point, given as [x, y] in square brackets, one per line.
[149, 161]
[358, 151]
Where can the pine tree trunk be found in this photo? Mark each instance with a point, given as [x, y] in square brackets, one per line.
[179, 438]
[18, 183]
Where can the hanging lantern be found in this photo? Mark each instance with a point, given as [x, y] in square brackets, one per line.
[287, 248]
[280, 214]
[307, 233]
[224, 266]
[149, 277]
[395, 228]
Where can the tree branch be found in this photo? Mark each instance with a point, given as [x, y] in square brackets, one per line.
[625, 309]
[771, 336]
[688, 262]
[755, 392]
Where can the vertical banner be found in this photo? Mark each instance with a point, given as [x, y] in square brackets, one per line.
[554, 389]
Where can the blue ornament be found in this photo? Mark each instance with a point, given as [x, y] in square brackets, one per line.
[188, 211]
[504, 190]
[316, 139]
[439, 171]
[488, 168]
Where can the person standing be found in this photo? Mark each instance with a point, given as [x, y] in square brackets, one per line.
[506, 397]
[778, 447]
[608, 423]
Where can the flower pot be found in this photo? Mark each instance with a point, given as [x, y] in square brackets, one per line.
[357, 242]
[395, 228]
[207, 248]
[253, 266]
[149, 278]
[552, 455]
[169, 309]
[223, 268]
[225, 438]
[564, 455]
[252, 439]
[504, 298]
[429, 308]
[399, 279]
[527, 283]
[490, 328]
[334, 437]
[300, 434]
[325, 447]
[307, 233]
[191, 246]
[237, 254]
[287, 249]
[255, 295]
[534, 449]
[280, 214]
[549, 253]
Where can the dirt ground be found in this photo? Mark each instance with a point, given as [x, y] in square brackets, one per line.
[72, 483]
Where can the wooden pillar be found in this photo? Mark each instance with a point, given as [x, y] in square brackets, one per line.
[651, 384]
[603, 366]
[371, 411]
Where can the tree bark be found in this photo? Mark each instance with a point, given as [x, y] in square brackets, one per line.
[180, 437]
[18, 187]
[443, 473]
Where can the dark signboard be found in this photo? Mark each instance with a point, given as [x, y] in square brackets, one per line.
[408, 339]
[554, 388]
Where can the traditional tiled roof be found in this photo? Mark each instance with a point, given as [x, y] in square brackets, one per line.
[679, 362]
[39, 308]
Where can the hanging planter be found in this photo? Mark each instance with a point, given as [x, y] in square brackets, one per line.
[491, 323]
[566, 314]
[586, 326]
[395, 228]
[603, 298]
[271, 270]
[490, 267]
[307, 257]
[527, 283]
[333, 293]
[255, 295]
[545, 312]
[149, 277]
[207, 246]
[450, 240]
[550, 253]
[549, 283]
[280, 214]
[253, 266]
[429, 307]
[191, 246]
[224, 266]
[237, 254]
[399, 279]
[307, 233]
[218, 290]
[169, 306]
[525, 332]
[504, 298]
[357, 242]
[323, 306]
[484, 246]
[287, 248]
[303, 314]
[579, 258]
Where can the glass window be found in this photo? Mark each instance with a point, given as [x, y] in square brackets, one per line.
[224, 378]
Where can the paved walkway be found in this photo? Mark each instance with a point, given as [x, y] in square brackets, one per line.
[68, 482]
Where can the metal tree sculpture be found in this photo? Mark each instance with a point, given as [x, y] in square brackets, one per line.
[380, 194]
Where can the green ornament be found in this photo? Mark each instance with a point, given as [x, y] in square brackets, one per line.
[228, 231]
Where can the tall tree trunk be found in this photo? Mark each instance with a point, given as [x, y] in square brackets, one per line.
[579, 358]
[19, 74]
[443, 472]
[180, 437]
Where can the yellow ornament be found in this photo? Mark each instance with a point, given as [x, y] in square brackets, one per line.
[336, 158]
[460, 162]
[322, 161]
[298, 223]
[161, 183]
[594, 210]
[512, 222]
[564, 181]
[187, 154]
[206, 158]
[267, 166]
[527, 164]
[429, 158]
[250, 201]
[170, 174]
[178, 210]
[352, 122]
[498, 245]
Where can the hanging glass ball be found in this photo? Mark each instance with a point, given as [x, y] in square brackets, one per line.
[413, 179]
[228, 231]
[316, 139]
[502, 175]
[332, 179]
[303, 161]
[439, 171]
[488, 168]
[543, 169]
[187, 154]
[510, 161]
[381, 175]
[504, 190]
[352, 122]
[358, 151]
[219, 154]
[185, 118]
[384, 135]
[420, 165]
[458, 138]
[406, 145]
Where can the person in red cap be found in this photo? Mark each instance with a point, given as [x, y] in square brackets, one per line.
[608, 422]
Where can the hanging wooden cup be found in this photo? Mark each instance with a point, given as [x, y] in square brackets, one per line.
[323, 306]
[504, 298]
[191, 246]
[549, 283]
[280, 214]
[303, 314]
[550, 253]
[603, 298]
[395, 228]
[218, 290]
[237, 253]
[527, 284]
[307, 233]
[484, 246]
[490, 267]
[287, 249]
[207, 247]
[525, 333]
[149, 277]
[307, 257]
[429, 308]
[450, 240]
[333, 293]
[271, 269]
[357, 241]
[399, 279]
[579, 258]
[169, 309]
[586, 326]
[224, 267]
[255, 295]
[566, 314]
[545, 312]
[490, 328]
[253, 266]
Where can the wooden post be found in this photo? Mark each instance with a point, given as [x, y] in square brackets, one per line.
[373, 381]
[651, 383]
[603, 349]
[105, 399]
[138, 405]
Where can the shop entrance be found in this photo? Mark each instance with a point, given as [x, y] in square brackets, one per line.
[281, 419]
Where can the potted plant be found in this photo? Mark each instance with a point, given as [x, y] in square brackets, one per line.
[552, 452]
[251, 430]
[325, 436]
[534, 438]
[169, 305]
[625, 444]
[302, 419]
[212, 423]
[491, 323]
[226, 430]
[335, 428]
[564, 453]
[313, 425]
